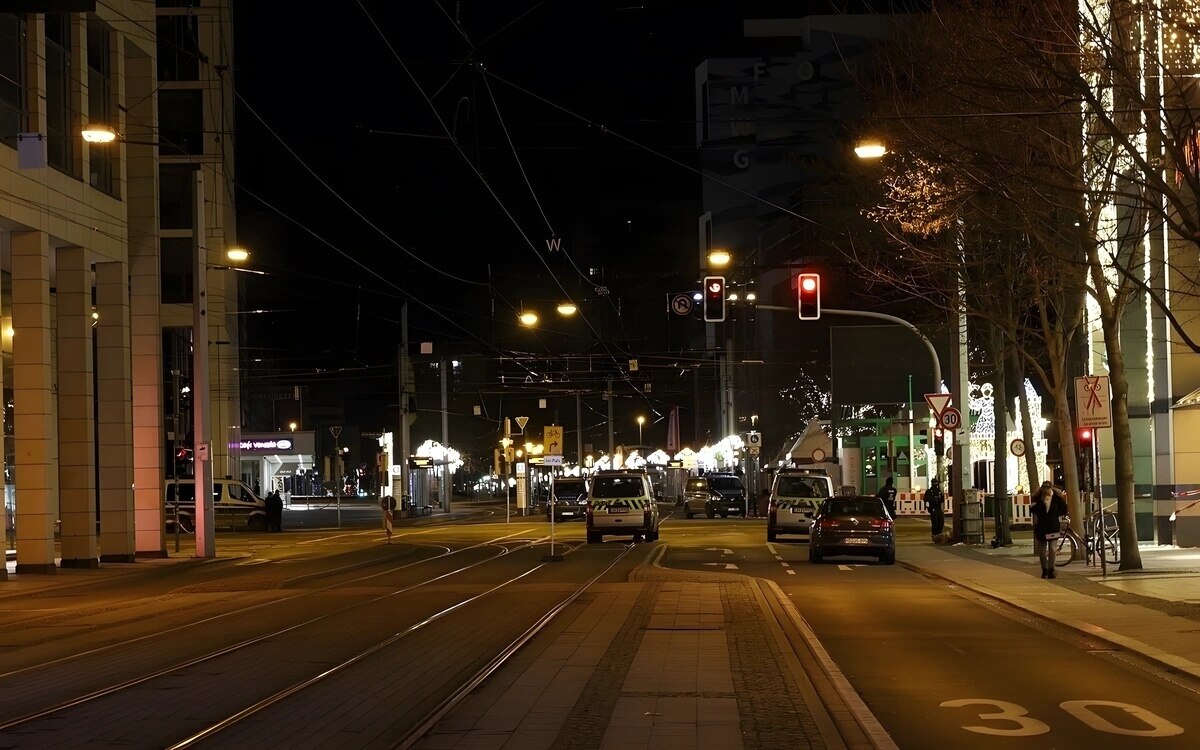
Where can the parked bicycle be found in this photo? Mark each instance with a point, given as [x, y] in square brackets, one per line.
[1101, 536]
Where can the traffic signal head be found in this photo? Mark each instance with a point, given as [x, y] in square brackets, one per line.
[809, 291]
[714, 299]
[1084, 436]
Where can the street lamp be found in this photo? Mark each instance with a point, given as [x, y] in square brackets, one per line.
[528, 318]
[567, 309]
[641, 421]
[870, 150]
[292, 426]
[719, 258]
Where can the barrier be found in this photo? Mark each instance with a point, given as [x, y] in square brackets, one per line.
[913, 504]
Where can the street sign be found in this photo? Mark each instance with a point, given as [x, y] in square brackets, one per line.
[681, 304]
[552, 440]
[950, 418]
[754, 439]
[552, 460]
[1092, 401]
[1017, 447]
[754, 450]
[521, 422]
[937, 402]
[818, 455]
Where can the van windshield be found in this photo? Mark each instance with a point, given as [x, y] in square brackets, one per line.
[726, 483]
[801, 487]
[608, 487]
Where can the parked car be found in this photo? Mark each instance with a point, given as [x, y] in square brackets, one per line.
[621, 503]
[714, 493]
[567, 498]
[796, 496]
[853, 526]
[234, 505]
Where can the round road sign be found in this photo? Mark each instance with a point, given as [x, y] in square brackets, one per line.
[951, 418]
[681, 304]
[818, 455]
[1017, 447]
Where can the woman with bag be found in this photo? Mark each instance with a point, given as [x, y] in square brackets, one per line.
[1047, 507]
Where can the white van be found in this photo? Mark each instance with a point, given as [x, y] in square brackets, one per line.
[621, 503]
[235, 506]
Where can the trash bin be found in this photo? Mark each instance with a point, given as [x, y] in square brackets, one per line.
[970, 517]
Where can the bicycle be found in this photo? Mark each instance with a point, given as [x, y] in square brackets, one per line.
[1101, 538]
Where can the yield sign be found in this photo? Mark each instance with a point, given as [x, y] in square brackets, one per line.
[938, 402]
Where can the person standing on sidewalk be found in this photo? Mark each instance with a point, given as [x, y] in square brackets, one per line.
[934, 499]
[387, 504]
[1047, 508]
[887, 493]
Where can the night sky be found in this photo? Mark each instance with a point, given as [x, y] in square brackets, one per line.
[353, 199]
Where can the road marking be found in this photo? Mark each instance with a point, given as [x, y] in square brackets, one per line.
[722, 550]
[777, 557]
[786, 565]
[363, 533]
[728, 566]
[771, 549]
[791, 572]
[656, 559]
[844, 567]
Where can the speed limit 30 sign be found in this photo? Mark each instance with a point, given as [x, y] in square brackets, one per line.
[951, 418]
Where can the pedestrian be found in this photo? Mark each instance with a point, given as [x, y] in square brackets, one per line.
[274, 511]
[934, 499]
[1047, 507]
[763, 501]
[887, 493]
[387, 504]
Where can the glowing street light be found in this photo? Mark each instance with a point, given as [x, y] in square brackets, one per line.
[870, 150]
[237, 254]
[641, 421]
[567, 309]
[719, 258]
[528, 318]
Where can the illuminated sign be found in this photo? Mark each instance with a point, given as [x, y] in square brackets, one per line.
[282, 444]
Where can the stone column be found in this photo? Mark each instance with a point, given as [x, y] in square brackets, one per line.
[76, 423]
[34, 428]
[114, 395]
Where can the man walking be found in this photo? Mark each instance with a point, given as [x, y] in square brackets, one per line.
[887, 493]
[934, 500]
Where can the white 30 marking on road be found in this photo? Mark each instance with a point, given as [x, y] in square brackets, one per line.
[1027, 726]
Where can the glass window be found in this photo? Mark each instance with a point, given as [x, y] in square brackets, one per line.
[60, 130]
[698, 484]
[12, 77]
[176, 185]
[180, 122]
[187, 493]
[607, 487]
[176, 270]
[178, 49]
[726, 483]
[101, 107]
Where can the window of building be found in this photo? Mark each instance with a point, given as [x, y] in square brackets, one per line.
[180, 122]
[101, 103]
[178, 48]
[60, 130]
[176, 185]
[12, 77]
[176, 264]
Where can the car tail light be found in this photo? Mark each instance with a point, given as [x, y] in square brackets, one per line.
[827, 523]
[881, 523]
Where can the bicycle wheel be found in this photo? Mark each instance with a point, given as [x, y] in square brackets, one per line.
[1066, 549]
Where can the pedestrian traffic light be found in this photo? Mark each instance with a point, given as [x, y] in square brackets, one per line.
[809, 291]
[714, 299]
[1084, 435]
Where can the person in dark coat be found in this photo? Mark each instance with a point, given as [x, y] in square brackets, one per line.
[274, 511]
[934, 499]
[1047, 508]
[887, 493]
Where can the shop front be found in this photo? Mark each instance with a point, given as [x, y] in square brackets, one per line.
[280, 461]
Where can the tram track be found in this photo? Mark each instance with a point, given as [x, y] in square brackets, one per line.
[161, 679]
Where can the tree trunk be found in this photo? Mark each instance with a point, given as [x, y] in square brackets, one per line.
[1131, 555]
[1031, 463]
[1000, 442]
[1066, 445]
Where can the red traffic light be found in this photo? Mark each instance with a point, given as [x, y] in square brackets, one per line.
[1085, 435]
[714, 299]
[809, 292]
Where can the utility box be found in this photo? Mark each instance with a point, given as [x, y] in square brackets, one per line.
[970, 517]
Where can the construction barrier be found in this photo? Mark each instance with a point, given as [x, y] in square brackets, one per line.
[913, 504]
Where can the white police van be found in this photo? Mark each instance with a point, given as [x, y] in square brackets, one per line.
[621, 503]
[235, 506]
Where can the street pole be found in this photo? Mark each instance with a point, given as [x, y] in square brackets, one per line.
[205, 521]
[175, 451]
[337, 470]
[446, 494]
[579, 432]
[404, 386]
[611, 444]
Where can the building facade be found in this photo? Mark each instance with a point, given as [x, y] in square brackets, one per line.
[97, 246]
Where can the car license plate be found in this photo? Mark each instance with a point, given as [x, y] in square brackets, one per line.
[857, 540]
[618, 509]
[566, 513]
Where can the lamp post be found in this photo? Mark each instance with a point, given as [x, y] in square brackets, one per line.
[641, 421]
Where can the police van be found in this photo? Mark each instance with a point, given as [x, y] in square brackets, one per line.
[235, 506]
[796, 495]
[621, 503]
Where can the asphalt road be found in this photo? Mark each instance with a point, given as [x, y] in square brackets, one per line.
[330, 636]
[940, 667]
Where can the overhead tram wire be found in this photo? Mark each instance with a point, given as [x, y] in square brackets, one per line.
[388, 282]
[608, 131]
[441, 121]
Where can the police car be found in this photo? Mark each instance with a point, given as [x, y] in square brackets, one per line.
[796, 496]
[621, 503]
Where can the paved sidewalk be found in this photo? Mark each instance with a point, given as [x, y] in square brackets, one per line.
[1151, 612]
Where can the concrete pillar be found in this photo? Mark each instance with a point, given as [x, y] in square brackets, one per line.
[145, 322]
[114, 395]
[34, 428]
[76, 423]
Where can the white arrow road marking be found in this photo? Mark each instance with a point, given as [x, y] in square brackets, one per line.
[722, 550]
[728, 566]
